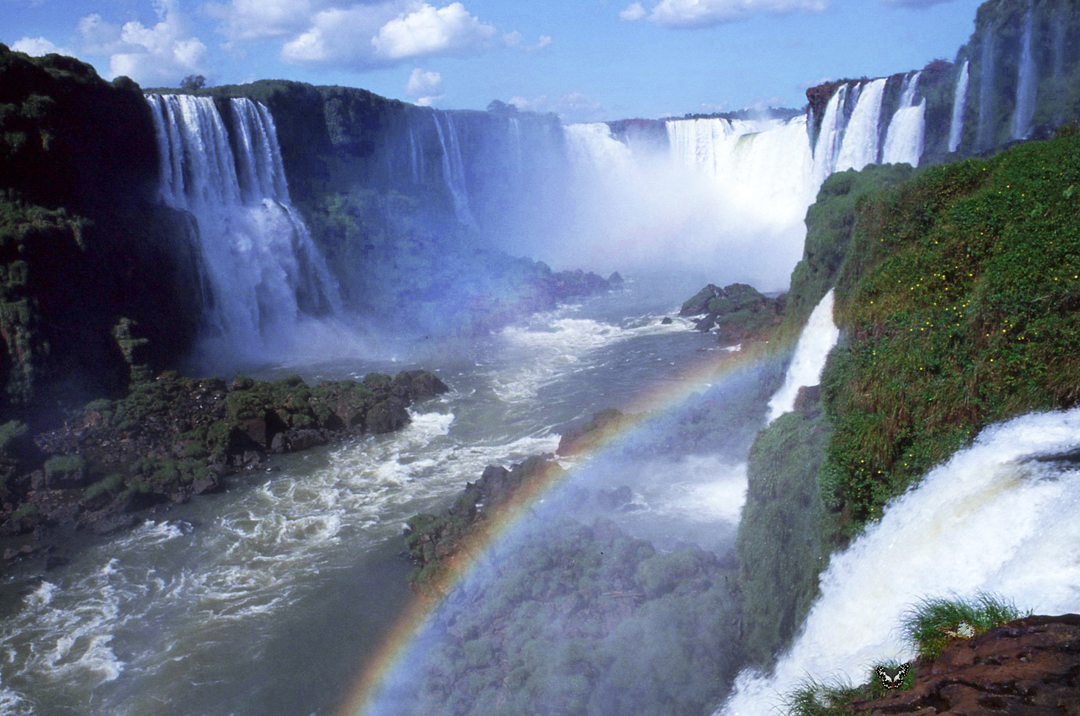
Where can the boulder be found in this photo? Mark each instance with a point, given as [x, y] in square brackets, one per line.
[387, 416]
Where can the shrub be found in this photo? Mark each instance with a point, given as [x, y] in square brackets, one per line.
[927, 624]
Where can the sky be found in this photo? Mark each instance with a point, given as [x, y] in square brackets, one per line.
[586, 60]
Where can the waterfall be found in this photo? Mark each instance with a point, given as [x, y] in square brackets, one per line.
[817, 339]
[860, 145]
[454, 169]
[263, 269]
[904, 139]
[1058, 38]
[956, 125]
[985, 138]
[831, 135]
[413, 155]
[1027, 84]
[991, 519]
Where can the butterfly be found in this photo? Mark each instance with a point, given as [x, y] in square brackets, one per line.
[894, 680]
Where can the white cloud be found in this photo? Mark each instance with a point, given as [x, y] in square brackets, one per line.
[260, 19]
[386, 33]
[158, 55]
[428, 31]
[426, 87]
[538, 104]
[514, 39]
[38, 46]
[704, 13]
[98, 36]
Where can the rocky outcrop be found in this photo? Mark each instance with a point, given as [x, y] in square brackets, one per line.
[1030, 666]
[736, 313]
[586, 438]
[84, 247]
[173, 438]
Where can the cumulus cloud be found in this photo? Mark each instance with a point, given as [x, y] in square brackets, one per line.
[386, 33]
[261, 19]
[426, 87]
[161, 54]
[38, 46]
[704, 13]
[428, 31]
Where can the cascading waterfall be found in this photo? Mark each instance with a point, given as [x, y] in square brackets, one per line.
[263, 269]
[1026, 84]
[905, 136]
[993, 519]
[818, 338]
[416, 157]
[860, 145]
[956, 125]
[1058, 38]
[454, 169]
[830, 136]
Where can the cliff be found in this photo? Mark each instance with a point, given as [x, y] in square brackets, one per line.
[84, 250]
[955, 294]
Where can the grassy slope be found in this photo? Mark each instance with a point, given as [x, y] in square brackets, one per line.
[958, 296]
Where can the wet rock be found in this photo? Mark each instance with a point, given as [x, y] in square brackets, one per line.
[615, 498]
[588, 436]
[387, 416]
[666, 321]
[1029, 666]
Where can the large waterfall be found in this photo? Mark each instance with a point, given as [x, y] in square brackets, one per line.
[262, 267]
[994, 519]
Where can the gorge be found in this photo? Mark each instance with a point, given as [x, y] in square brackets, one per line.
[767, 514]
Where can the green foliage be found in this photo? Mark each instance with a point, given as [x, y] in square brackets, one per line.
[958, 294]
[927, 624]
[58, 465]
[778, 546]
[816, 698]
[106, 486]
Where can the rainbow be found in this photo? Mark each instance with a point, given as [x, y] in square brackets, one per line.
[364, 697]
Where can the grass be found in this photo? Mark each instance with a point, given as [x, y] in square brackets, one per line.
[927, 626]
[958, 296]
[927, 623]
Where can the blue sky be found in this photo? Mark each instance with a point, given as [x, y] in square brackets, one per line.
[587, 60]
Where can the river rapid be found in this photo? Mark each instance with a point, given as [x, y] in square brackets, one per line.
[270, 597]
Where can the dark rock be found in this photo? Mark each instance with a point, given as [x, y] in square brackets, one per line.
[387, 416]
[666, 321]
[589, 435]
[278, 445]
[304, 439]
[615, 280]
[1028, 666]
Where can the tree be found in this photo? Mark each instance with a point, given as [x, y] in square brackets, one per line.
[192, 83]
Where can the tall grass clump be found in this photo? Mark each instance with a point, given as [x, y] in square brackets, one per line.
[816, 698]
[931, 623]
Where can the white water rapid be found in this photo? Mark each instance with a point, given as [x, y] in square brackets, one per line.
[817, 339]
[956, 126]
[991, 519]
[264, 271]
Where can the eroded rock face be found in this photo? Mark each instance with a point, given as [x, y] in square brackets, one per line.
[1029, 666]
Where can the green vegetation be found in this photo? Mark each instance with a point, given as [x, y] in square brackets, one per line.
[585, 620]
[778, 544]
[958, 294]
[929, 626]
[932, 623]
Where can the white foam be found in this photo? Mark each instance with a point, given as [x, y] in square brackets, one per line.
[988, 520]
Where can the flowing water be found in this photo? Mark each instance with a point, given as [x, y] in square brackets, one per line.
[267, 598]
